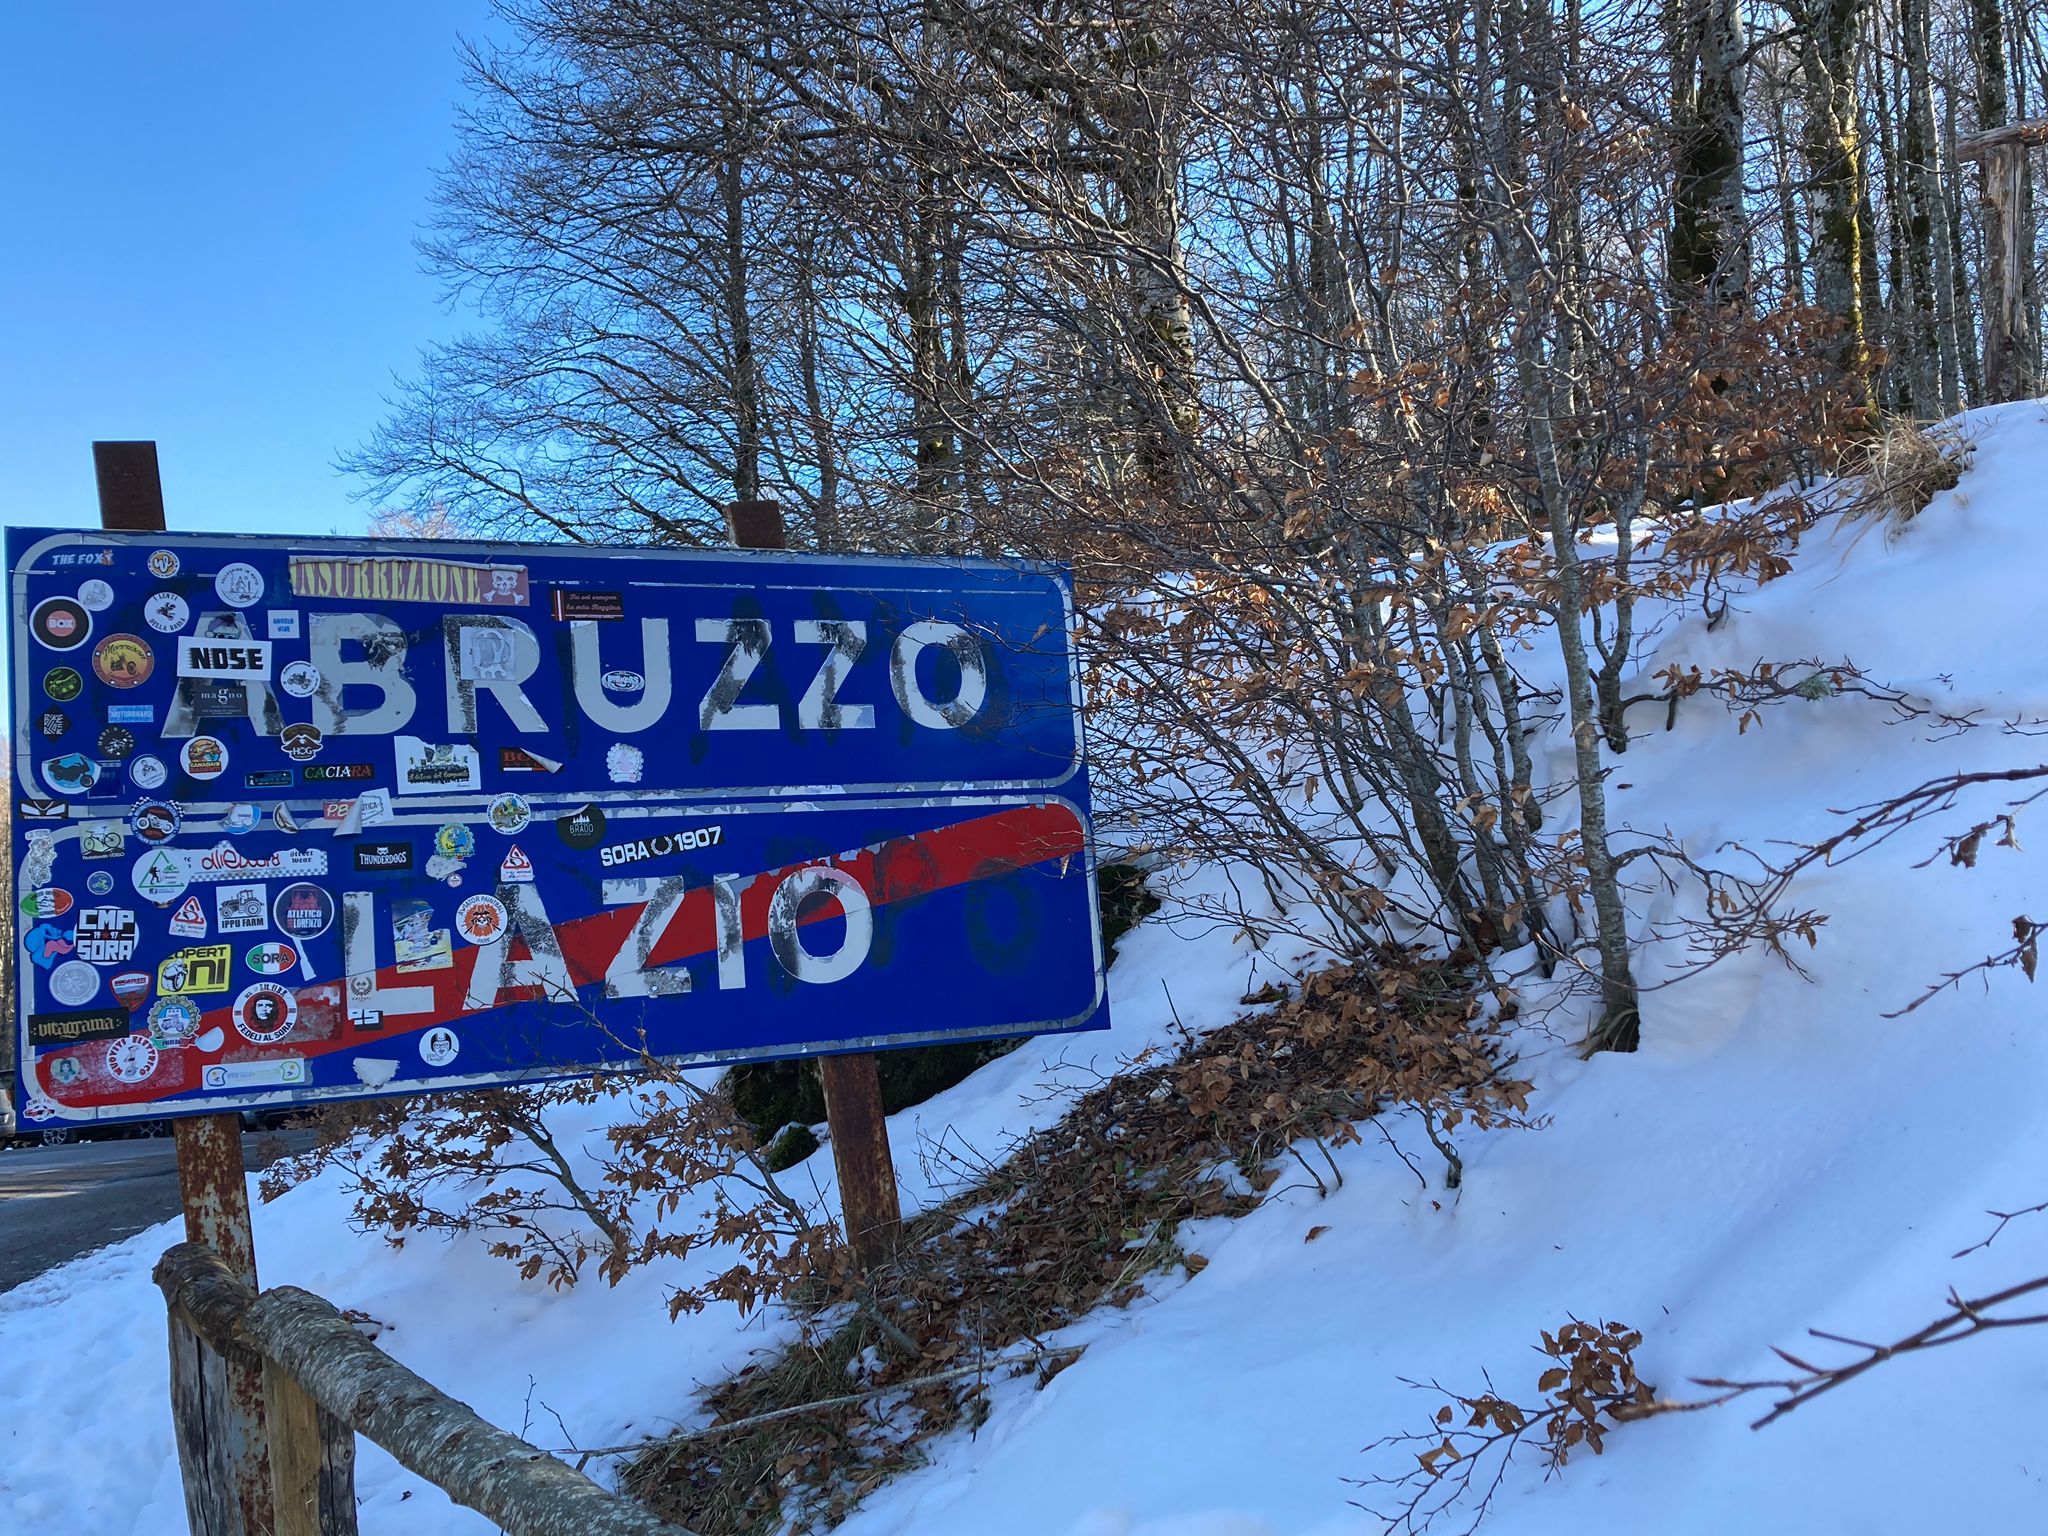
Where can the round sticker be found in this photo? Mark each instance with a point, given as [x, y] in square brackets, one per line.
[99, 882]
[131, 1060]
[52, 723]
[510, 814]
[74, 982]
[71, 774]
[148, 773]
[481, 919]
[241, 817]
[159, 876]
[438, 1046]
[173, 1020]
[163, 564]
[63, 684]
[96, 595]
[271, 959]
[156, 821]
[239, 585]
[204, 757]
[582, 829]
[39, 1108]
[303, 911]
[264, 1012]
[300, 679]
[123, 661]
[166, 612]
[61, 623]
[116, 741]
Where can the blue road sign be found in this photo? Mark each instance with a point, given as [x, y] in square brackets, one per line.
[310, 819]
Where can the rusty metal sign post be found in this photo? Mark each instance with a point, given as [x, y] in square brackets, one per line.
[212, 1185]
[868, 1198]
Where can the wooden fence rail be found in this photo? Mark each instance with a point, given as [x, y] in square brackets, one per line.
[324, 1384]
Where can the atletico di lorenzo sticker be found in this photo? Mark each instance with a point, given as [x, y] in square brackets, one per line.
[264, 1012]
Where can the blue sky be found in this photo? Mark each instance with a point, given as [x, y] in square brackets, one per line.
[207, 240]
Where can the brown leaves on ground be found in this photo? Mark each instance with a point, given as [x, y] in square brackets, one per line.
[1078, 1217]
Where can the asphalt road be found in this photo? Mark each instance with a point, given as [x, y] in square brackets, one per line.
[59, 1202]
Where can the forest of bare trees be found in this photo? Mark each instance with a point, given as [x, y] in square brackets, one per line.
[1343, 347]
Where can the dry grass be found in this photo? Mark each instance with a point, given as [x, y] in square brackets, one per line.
[1077, 1217]
[1904, 467]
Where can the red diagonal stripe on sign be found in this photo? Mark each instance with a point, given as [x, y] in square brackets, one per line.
[897, 869]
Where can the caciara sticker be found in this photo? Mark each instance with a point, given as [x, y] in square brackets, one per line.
[390, 817]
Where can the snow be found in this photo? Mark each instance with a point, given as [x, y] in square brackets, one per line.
[1779, 1156]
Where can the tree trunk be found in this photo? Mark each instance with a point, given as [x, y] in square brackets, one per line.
[1830, 47]
[1710, 231]
[1927, 229]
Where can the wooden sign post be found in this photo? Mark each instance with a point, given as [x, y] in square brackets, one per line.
[211, 1183]
[868, 1199]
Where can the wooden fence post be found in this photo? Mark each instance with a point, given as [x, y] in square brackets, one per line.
[868, 1200]
[211, 1184]
[312, 1461]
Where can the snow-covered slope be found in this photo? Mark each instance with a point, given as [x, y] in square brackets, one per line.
[1778, 1156]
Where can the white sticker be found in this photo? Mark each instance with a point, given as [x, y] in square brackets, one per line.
[239, 585]
[147, 772]
[74, 982]
[273, 1072]
[241, 908]
[625, 763]
[284, 624]
[481, 919]
[438, 1046]
[159, 876]
[189, 921]
[166, 612]
[204, 757]
[487, 655]
[428, 767]
[132, 1060]
[96, 595]
[300, 679]
[238, 661]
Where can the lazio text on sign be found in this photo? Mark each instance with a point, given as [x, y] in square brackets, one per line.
[591, 794]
